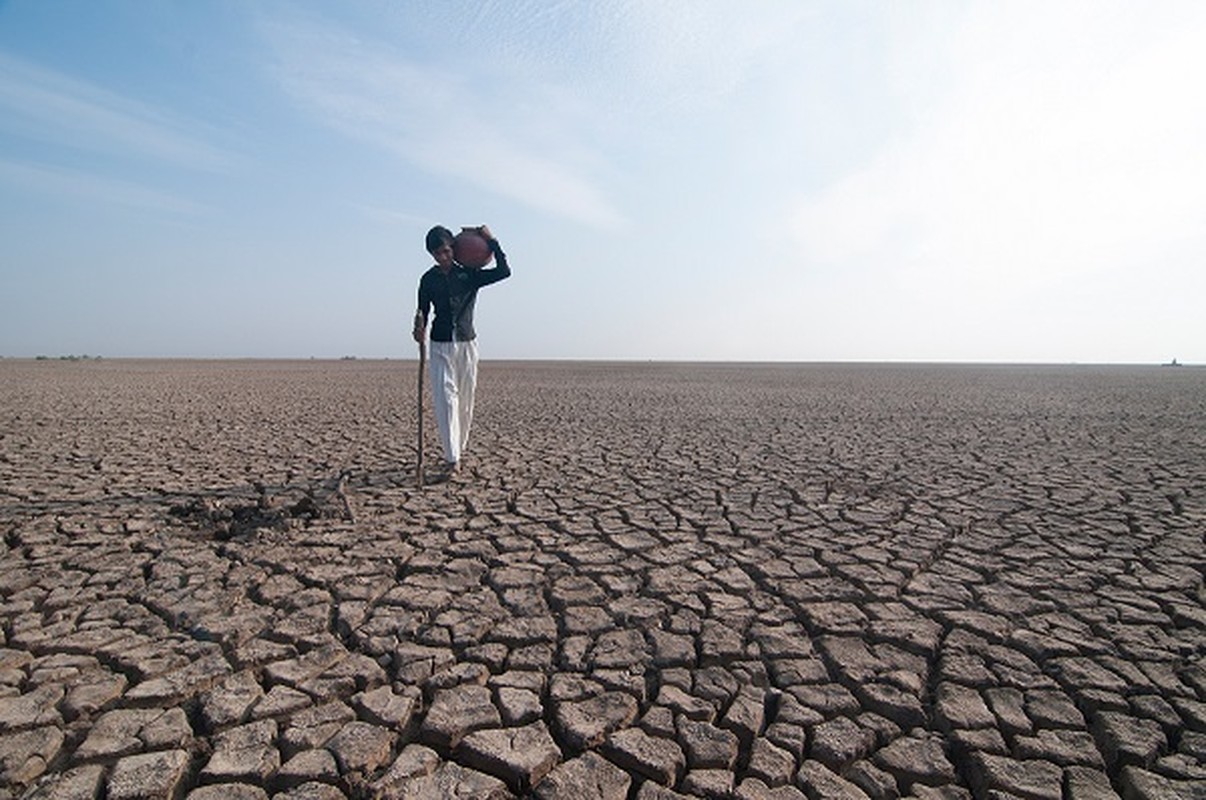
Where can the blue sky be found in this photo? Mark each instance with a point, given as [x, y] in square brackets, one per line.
[921, 181]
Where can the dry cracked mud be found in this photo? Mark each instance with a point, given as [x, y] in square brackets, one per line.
[220, 580]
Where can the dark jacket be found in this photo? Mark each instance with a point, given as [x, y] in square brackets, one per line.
[454, 295]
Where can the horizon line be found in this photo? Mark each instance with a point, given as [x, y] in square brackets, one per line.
[621, 360]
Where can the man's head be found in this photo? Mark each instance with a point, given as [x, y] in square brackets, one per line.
[439, 244]
[437, 236]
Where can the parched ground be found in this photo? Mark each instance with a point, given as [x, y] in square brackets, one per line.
[219, 580]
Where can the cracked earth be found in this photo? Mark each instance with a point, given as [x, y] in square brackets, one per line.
[653, 581]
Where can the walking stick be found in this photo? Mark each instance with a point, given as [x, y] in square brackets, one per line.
[422, 367]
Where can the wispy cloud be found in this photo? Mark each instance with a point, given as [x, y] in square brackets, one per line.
[390, 215]
[1069, 144]
[48, 106]
[102, 191]
[692, 52]
[440, 121]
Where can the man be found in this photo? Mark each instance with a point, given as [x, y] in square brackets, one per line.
[451, 289]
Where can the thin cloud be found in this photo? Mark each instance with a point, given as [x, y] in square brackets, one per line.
[102, 191]
[689, 53]
[436, 121]
[389, 215]
[1069, 145]
[48, 106]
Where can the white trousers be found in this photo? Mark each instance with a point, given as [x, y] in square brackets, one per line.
[453, 369]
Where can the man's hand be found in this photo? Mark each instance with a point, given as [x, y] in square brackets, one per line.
[420, 327]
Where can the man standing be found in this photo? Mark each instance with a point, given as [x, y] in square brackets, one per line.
[452, 289]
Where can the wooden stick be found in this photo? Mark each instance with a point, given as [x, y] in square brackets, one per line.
[422, 369]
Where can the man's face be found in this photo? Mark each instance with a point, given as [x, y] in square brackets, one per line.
[443, 255]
